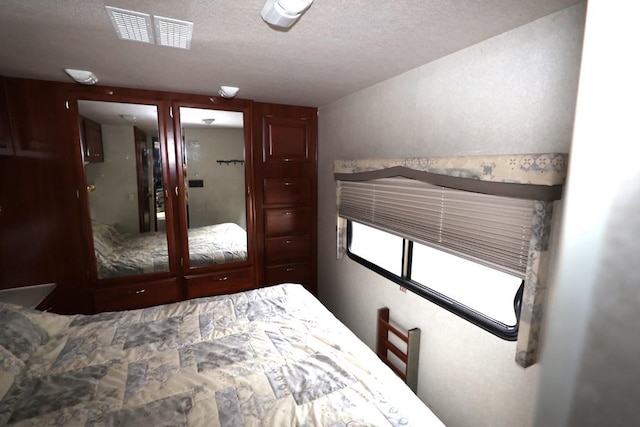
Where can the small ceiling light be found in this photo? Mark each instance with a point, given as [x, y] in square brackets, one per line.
[284, 13]
[131, 25]
[208, 121]
[228, 91]
[82, 76]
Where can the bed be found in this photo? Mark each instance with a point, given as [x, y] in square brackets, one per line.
[267, 357]
[123, 255]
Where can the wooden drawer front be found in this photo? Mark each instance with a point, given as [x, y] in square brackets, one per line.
[295, 273]
[288, 248]
[227, 282]
[141, 295]
[282, 222]
[295, 191]
[285, 140]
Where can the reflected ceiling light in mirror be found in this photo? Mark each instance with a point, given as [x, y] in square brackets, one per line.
[128, 117]
[208, 121]
[284, 13]
[83, 77]
[228, 91]
[195, 117]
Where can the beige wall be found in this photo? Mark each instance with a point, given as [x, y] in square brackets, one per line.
[115, 200]
[514, 93]
[590, 373]
[222, 199]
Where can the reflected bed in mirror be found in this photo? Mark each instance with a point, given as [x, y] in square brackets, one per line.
[124, 176]
[213, 168]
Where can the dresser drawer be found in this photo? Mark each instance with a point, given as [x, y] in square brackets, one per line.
[139, 295]
[226, 282]
[287, 248]
[295, 273]
[282, 222]
[294, 191]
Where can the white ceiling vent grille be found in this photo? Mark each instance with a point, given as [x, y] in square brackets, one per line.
[173, 32]
[131, 25]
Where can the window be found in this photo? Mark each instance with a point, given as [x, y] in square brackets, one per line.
[460, 243]
[488, 216]
[485, 296]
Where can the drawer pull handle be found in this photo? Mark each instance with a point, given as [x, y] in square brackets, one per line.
[138, 292]
[288, 269]
[288, 242]
[286, 184]
[222, 279]
[288, 213]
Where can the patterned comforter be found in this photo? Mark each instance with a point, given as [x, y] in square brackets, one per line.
[269, 357]
[120, 255]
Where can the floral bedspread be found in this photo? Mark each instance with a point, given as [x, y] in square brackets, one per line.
[268, 357]
[123, 255]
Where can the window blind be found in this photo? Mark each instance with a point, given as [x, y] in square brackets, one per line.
[488, 229]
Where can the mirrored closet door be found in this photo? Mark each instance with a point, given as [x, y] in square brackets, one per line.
[212, 177]
[124, 171]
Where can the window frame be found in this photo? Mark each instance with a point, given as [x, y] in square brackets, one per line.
[499, 329]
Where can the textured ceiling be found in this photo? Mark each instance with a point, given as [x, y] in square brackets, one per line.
[335, 49]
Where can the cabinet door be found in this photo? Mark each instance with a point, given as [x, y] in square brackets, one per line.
[226, 282]
[6, 143]
[288, 191]
[286, 140]
[141, 295]
[92, 141]
[286, 221]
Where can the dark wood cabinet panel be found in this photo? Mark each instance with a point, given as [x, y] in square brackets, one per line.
[292, 191]
[134, 296]
[40, 233]
[6, 143]
[294, 273]
[286, 200]
[286, 140]
[285, 221]
[220, 283]
[288, 248]
[91, 135]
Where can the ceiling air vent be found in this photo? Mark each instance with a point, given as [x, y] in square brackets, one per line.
[173, 32]
[131, 25]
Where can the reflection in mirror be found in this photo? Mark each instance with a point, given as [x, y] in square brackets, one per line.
[123, 172]
[214, 176]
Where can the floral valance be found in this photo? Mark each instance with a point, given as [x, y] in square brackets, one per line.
[540, 169]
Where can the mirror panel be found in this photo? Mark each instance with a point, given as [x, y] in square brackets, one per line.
[123, 165]
[213, 167]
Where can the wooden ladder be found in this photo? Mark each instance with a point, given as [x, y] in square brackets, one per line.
[409, 358]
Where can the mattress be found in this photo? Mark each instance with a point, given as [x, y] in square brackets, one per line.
[268, 357]
[123, 255]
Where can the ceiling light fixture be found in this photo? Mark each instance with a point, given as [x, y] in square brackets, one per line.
[208, 121]
[228, 91]
[83, 77]
[284, 13]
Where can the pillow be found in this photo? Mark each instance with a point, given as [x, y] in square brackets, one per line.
[10, 368]
[105, 239]
[19, 334]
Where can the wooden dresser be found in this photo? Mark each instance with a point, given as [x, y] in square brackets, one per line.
[286, 193]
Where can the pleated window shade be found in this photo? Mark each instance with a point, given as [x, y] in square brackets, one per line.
[487, 229]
